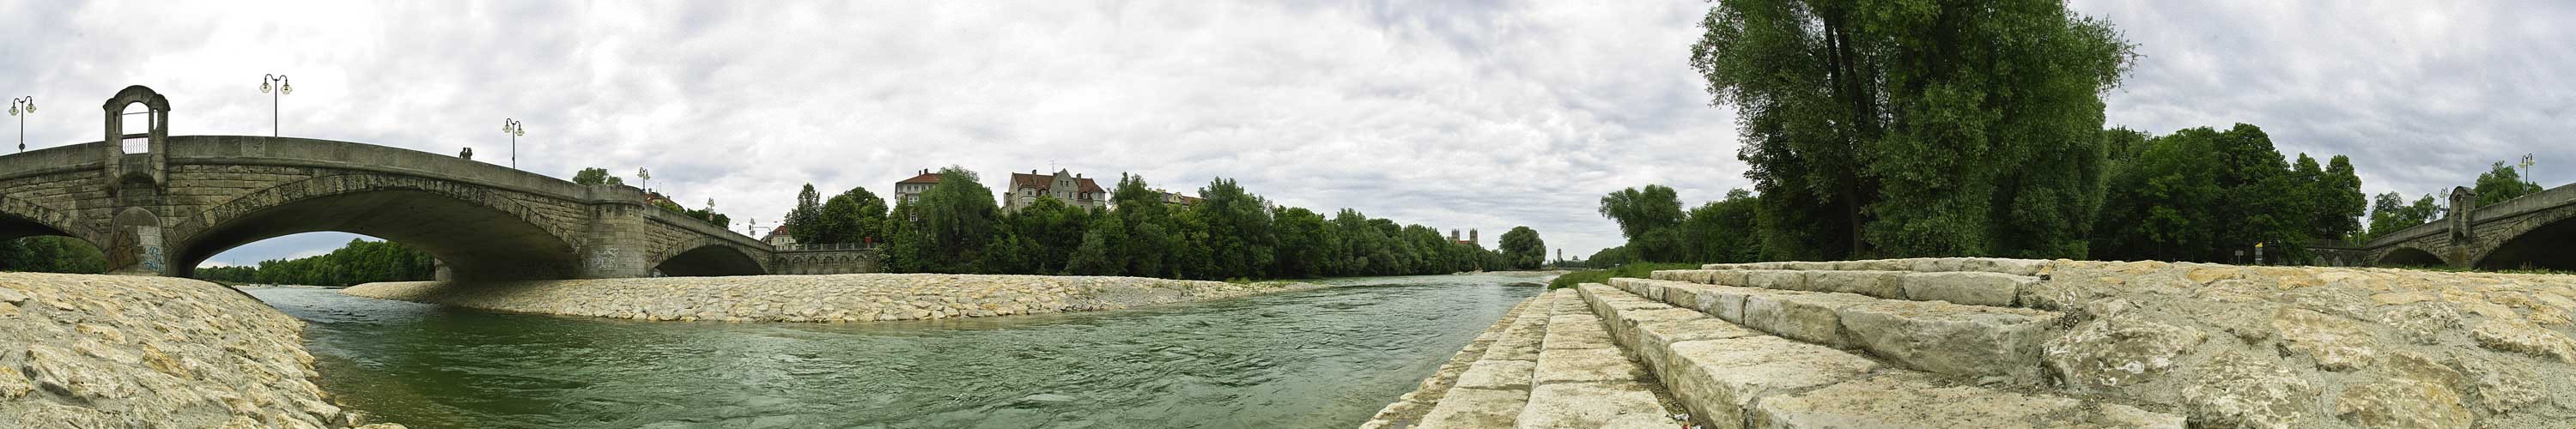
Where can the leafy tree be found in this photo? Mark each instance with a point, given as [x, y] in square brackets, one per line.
[1724, 230]
[1305, 243]
[2202, 195]
[359, 261]
[51, 254]
[2340, 203]
[2389, 213]
[1896, 129]
[958, 219]
[2502, 183]
[1647, 217]
[804, 221]
[1239, 240]
[596, 176]
[854, 216]
[1523, 248]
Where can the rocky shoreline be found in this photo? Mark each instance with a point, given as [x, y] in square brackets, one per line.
[85, 351]
[817, 298]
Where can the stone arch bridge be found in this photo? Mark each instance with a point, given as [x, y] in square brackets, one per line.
[158, 204]
[2532, 231]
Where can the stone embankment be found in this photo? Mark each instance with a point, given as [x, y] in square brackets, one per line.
[93, 351]
[817, 298]
[1548, 364]
[1958, 342]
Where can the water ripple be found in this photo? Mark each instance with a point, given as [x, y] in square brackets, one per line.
[1320, 358]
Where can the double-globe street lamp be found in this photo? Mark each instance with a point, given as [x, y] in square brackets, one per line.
[282, 89]
[514, 129]
[30, 106]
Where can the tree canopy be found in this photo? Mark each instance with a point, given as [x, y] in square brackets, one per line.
[1902, 129]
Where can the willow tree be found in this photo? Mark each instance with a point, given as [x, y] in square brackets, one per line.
[1899, 128]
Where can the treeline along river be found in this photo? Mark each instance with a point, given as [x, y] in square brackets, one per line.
[1316, 358]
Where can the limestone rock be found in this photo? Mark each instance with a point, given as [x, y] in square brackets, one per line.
[2338, 344]
[2515, 335]
[2234, 390]
[2117, 351]
[2403, 403]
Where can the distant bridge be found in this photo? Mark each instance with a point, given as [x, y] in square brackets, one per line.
[178, 200]
[2532, 231]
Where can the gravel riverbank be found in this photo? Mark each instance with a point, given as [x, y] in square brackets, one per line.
[88, 351]
[817, 298]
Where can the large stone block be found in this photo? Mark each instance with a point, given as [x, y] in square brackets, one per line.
[1576, 331]
[1469, 408]
[1776, 279]
[1593, 405]
[1918, 401]
[1882, 284]
[1966, 287]
[1717, 379]
[1572, 365]
[1987, 343]
[1813, 318]
[1498, 374]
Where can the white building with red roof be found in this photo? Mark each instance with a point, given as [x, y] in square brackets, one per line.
[1072, 189]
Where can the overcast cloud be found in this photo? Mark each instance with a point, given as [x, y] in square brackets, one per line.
[1459, 115]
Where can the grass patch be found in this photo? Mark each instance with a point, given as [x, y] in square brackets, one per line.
[1637, 270]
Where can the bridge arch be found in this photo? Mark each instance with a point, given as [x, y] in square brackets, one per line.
[21, 218]
[479, 234]
[704, 257]
[2408, 256]
[2538, 240]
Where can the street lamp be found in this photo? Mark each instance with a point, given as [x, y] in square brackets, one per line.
[30, 103]
[283, 88]
[514, 129]
[647, 175]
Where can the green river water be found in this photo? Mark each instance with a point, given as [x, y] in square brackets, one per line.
[1319, 358]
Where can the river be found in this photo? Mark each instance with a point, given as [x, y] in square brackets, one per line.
[1317, 358]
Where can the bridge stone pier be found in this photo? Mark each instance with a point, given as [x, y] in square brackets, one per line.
[2532, 231]
[158, 204]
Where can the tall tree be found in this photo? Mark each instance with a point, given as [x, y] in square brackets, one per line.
[2340, 203]
[1523, 247]
[1240, 240]
[958, 218]
[2502, 183]
[1724, 230]
[1950, 128]
[1648, 217]
[804, 221]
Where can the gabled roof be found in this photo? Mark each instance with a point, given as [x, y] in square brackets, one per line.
[1047, 182]
[924, 178]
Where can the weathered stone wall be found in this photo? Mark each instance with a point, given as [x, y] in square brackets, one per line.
[829, 298]
[92, 351]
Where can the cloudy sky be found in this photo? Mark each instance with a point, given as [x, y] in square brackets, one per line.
[1483, 115]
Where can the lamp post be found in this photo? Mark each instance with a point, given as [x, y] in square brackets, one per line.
[30, 103]
[647, 176]
[283, 88]
[514, 129]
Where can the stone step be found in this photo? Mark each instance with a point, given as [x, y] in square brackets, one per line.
[1735, 377]
[1990, 344]
[1959, 287]
[1410, 408]
[1554, 366]
[1584, 380]
[1494, 389]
